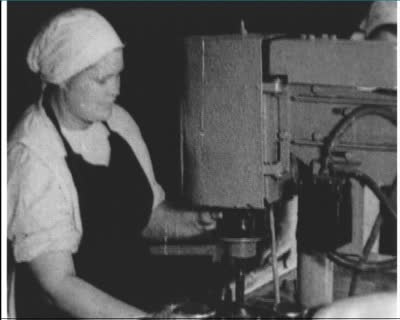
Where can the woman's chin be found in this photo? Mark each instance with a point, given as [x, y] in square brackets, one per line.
[104, 115]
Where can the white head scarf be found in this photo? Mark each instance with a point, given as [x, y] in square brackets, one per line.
[69, 43]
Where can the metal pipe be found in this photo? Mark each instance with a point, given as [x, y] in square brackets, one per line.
[387, 113]
[240, 278]
[345, 100]
[364, 265]
[366, 251]
[344, 146]
[274, 255]
[367, 180]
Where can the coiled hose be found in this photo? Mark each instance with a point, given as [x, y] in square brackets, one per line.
[360, 263]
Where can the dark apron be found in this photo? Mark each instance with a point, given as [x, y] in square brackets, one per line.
[115, 204]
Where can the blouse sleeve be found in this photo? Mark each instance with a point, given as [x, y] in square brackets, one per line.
[40, 219]
[158, 193]
[128, 128]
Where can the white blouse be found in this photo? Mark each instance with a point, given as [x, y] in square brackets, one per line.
[43, 209]
[91, 143]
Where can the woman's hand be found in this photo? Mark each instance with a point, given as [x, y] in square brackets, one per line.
[169, 222]
[207, 220]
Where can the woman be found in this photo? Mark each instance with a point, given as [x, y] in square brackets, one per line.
[82, 195]
[380, 23]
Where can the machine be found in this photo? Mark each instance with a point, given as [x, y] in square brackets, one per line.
[267, 118]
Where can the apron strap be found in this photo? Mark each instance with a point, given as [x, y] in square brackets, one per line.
[50, 113]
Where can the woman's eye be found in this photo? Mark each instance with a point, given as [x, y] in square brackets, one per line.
[101, 80]
[104, 80]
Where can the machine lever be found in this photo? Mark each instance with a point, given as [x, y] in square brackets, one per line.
[273, 252]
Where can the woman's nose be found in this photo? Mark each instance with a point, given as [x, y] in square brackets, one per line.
[114, 87]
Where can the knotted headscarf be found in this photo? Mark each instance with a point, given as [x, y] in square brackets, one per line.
[71, 41]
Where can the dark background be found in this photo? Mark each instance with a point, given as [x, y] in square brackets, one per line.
[152, 82]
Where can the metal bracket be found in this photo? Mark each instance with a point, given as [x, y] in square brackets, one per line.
[281, 167]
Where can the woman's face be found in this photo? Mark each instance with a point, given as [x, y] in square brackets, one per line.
[89, 96]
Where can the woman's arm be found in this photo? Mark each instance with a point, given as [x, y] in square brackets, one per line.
[173, 223]
[55, 272]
